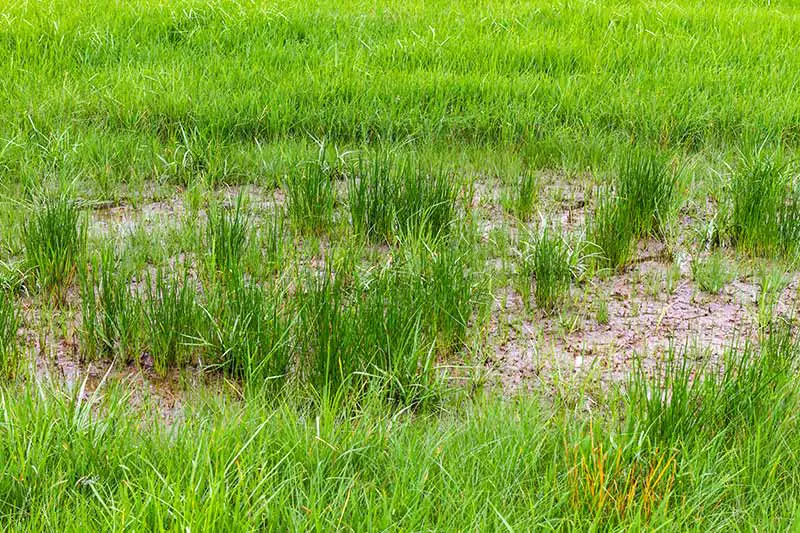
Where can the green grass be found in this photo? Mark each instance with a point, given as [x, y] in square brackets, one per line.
[682, 454]
[10, 321]
[611, 230]
[249, 334]
[111, 312]
[311, 197]
[172, 317]
[389, 197]
[713, 273]
[647, 189]
[548, 264]
[216, 89]
[764, 197]
[524, 195]
[227, 237]
[323, 342]
[55, 240]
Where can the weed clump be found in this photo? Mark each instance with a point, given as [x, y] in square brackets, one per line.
[311, 198]
[713, 273]
[9, 343]
[548, 263]
[764, 218]
[55, 241]
[173, 318]
[389, 197]
[227, 237]
[640, 203]
[111, 311]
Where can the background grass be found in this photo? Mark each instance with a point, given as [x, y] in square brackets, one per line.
[235, 92]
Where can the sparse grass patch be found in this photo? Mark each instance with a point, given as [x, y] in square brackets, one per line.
[713, 273]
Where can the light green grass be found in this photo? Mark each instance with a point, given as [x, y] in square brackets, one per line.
[237, 92]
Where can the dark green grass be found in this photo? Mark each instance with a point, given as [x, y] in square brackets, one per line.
[249, 334]
[641, 202]
[390, 197]
[111, 311]
[647, 188]
[524, 196]
[311, 197]
[228, 235]
[610, 229]
[173, 317]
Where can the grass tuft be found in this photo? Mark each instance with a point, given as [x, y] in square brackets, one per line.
[764, 218]
[311, 198]
[390, 197]
[55, 241]
[548, 263]
[10, 321]
[227, 237]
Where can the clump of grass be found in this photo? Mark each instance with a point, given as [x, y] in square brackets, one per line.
[111, 314]
[55, 239]
[679, 402]
[523, 197]
[426, 203]
[329, 339]
[772, 282]
[373, 191]
[640, 202]
[268, 253]
[10, 320]
[311, 198]
[227, 237]
[547, 264]
[712, 273]
[611, 230]
[447, 285]
[383, 329]
[764, 218]
[388, 197]
[399, 352]
[173, 318]
[249, 334]
[647, 187]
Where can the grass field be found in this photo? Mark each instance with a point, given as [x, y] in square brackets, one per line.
[408, 266]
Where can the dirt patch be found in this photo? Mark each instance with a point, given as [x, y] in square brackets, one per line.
[638, 320]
